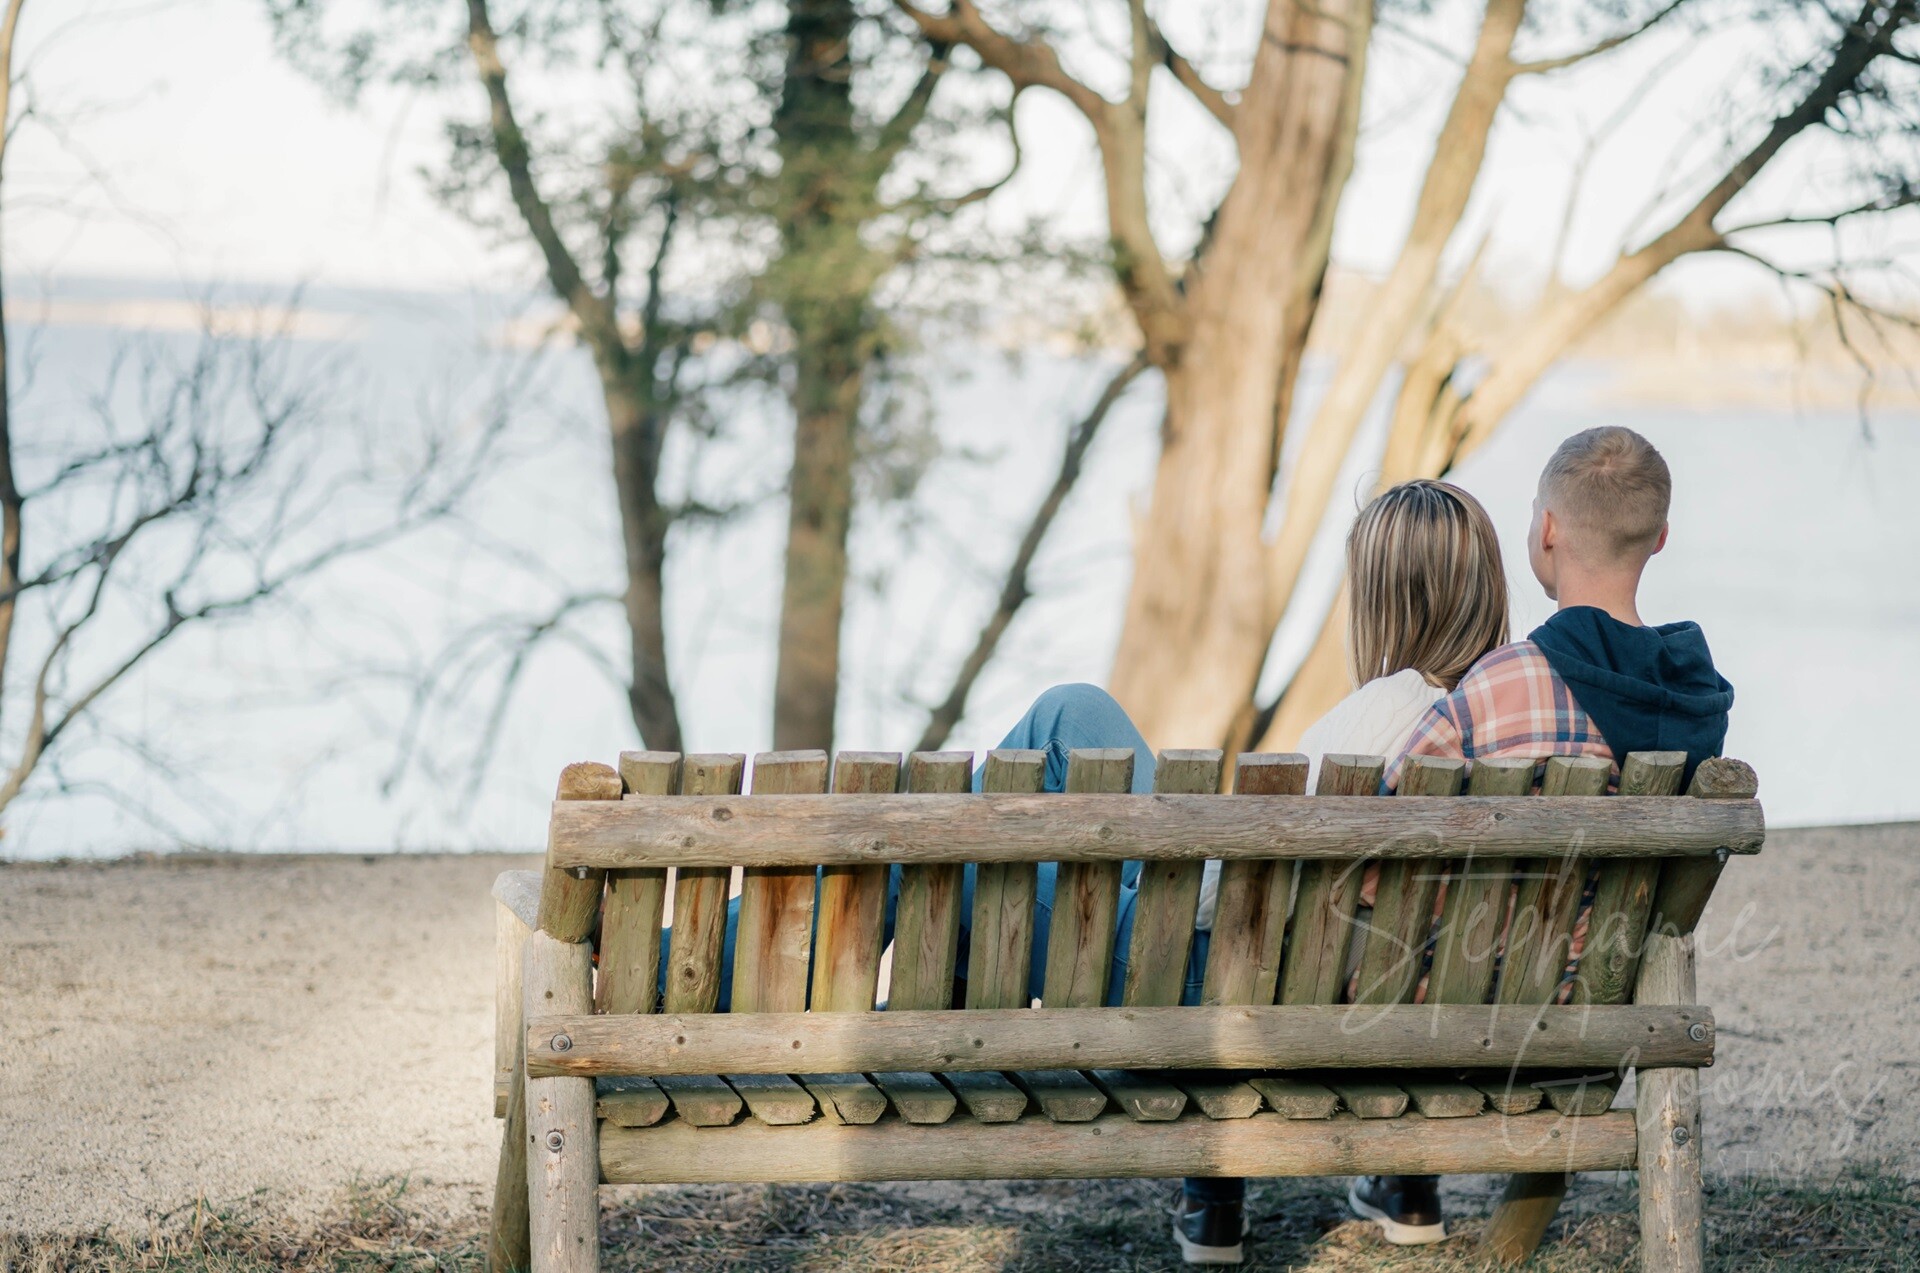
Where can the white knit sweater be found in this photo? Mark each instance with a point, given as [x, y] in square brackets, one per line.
[1375, 720]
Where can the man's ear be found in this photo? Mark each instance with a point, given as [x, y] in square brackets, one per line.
[1549, 529]
[1661, 542]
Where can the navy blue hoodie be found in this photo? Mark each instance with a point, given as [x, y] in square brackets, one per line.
[1647, 689]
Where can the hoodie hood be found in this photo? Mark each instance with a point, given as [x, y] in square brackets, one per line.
[1647, 689]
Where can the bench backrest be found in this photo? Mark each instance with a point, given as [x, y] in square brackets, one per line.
[1506, 869]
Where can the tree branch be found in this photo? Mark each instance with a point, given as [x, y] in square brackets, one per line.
[1612, 42]
[1014, 592]
[1190, 78]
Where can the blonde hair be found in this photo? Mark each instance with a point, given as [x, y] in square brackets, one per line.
[1426, 587]
[1612, 489]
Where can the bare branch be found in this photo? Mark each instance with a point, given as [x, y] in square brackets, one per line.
[1030, 62]
[1014, 592]
[1608, 45]
[1190, 78]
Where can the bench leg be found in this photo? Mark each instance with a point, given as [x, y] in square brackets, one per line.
[1668, 1113]
[508, 1240]
[1525, 1211]
[563, 1155]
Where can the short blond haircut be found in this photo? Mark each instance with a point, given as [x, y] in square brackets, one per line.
[1612, 489]
[1426, 587]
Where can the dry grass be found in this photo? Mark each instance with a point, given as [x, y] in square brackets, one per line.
[1867, 1222]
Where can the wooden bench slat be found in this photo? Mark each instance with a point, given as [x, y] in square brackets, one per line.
[1000, 950]
[811, 831]
[628, 976]
[1507, 1093]
[1314, 965]
[629, 1100]
[773, 942]
[774, 1099]
[703, 1100]
[926, 926]
[1115, 1146]
[1623, 893]
[1169, 892]
[570, 895]
[991, 1097]
[1086, 895]
[845, 1097]
[1250, 907]
[1064, 1096]
[1218, 1095]
[1294, 1097]
[1395, 938]
[1475, 909]
[1442, 1098]
[694, 954]
[1401, 1036]
[850, 926]
[1687, 883]
[918, 1098]
[1581, 1095]
[1143, 1096]
[1367, 1098]
[1547, 900]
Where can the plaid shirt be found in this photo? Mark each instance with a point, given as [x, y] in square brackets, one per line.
[1510, 703]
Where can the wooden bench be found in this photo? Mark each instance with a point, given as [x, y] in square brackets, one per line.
[1307, 1057]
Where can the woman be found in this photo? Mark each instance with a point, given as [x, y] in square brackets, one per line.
[1427, 598]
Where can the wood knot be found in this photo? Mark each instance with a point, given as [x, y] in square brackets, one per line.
[723, 814]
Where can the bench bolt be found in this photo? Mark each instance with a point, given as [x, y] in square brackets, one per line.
[1680, 1135]
[555, 1141]
[579, 872]
[564, 1043]
[1697, 1032]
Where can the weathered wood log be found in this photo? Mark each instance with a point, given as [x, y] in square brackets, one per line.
[1623, 892]
[1314, 967]
[563, 1177]
[519, 892]
[1581, 1095]
[704, 1100]
[773, 940]
[846, 1097]
[1667, 1106]
[1524, 1212]
[627, 978]
[1250, 909]
[1475, 911]
[988, 1095]
[570, 892]
[629, 1101]
[1396, 935]
[1687, 883]
[919, 1098]
[926, 926]
[1296, 1098]
[850, 928]
[1115, 1146]
[1509, 1094]
[1169, 893]
[1145, 1097]
[509, 940]
[694, 956]
[774, 1099]
[1000, 949]
[1086, 895]
[508, 1237]
[775, 831]
[1219, 1038]
[1065, 1096]
[1547, 902]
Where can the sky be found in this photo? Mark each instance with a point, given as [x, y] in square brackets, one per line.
[170, 142]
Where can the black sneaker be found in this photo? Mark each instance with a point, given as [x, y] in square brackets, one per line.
[1407, 1208]
[1209, 1232]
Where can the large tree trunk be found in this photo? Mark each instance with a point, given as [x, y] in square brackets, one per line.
[821, 285]
[1197, 619]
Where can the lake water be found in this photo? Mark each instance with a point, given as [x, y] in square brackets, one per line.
[1794, 543]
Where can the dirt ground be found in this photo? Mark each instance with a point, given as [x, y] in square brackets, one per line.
[268, 1030]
